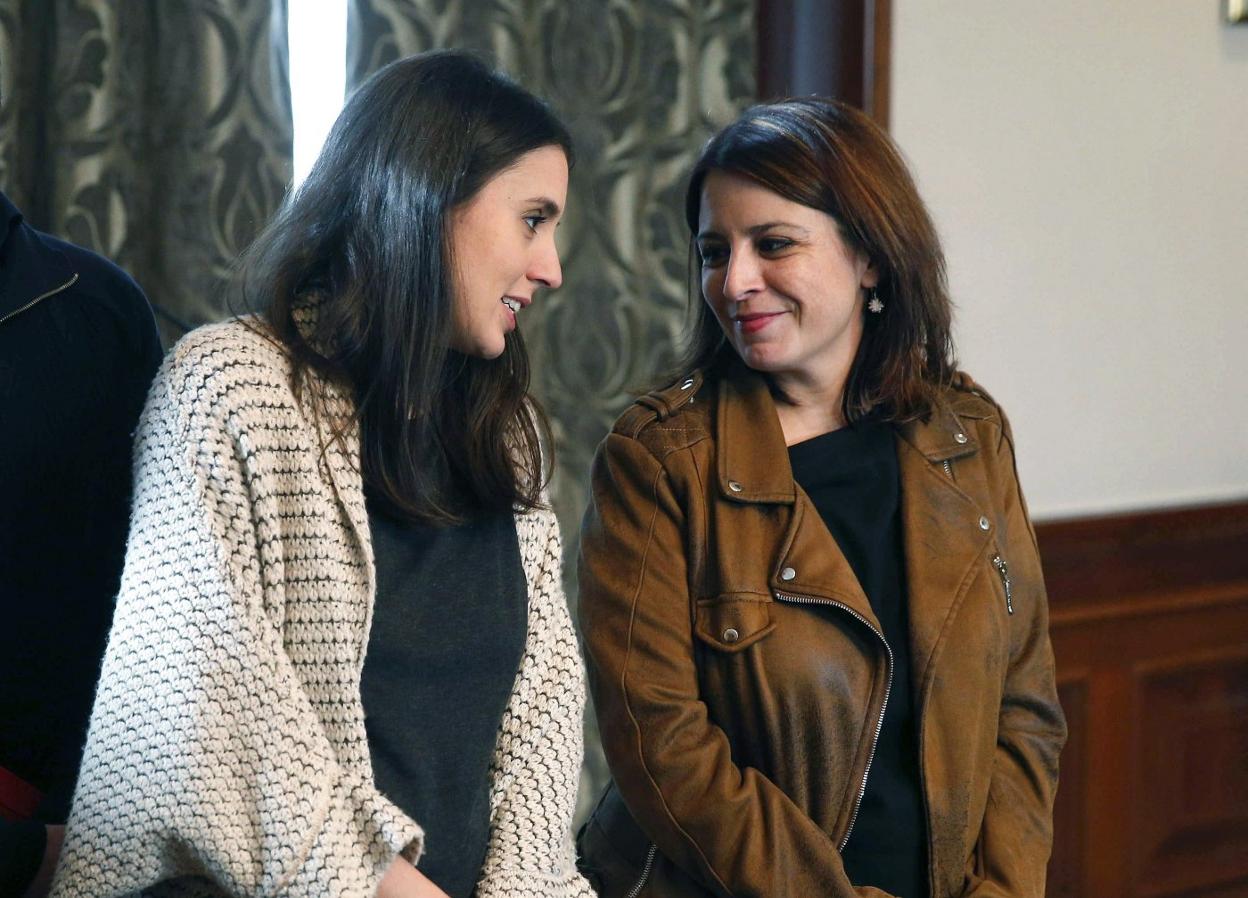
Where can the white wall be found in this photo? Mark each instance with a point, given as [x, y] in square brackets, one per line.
[1086, 162]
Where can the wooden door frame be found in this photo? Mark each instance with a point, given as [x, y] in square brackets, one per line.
[837, 48]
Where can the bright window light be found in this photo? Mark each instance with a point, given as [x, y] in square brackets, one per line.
[317, 33]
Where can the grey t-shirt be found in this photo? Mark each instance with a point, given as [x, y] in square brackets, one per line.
[448, 633]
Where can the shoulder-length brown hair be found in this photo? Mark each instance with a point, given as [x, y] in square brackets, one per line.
[366, 238]
[831, 157]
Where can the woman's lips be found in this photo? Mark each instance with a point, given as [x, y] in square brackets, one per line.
[752, 324]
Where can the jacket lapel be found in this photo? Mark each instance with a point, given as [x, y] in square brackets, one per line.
[753, 460]
[755, 478]
[941, 531]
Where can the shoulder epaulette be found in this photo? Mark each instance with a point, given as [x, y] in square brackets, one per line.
[659, 405]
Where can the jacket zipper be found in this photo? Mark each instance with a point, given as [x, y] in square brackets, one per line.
[1004, 570]
[645, 872]
[879, 724]
[948, 468]
[40, 298]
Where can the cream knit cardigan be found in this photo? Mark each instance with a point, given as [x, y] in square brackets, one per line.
[226, 753]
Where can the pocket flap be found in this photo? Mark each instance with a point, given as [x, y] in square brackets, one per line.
[732, 623]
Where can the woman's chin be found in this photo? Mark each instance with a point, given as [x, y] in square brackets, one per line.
[763, 357]
[486, 348]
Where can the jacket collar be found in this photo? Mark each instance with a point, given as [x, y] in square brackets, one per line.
[941, 522]
[940, 437]
[30, 267]
[754, 460]
[8, 212]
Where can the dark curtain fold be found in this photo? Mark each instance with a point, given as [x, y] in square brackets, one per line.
[157, 134]
[642, 84]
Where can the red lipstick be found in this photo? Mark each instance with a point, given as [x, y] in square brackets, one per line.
[752, 324]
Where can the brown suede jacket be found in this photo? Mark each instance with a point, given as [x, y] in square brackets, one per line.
[740, 675]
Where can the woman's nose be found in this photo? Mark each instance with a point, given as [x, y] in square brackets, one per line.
[546, 269]
[742, 275]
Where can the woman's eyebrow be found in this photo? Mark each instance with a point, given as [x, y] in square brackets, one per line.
[768, 225]
[546, 204]
[755, 230]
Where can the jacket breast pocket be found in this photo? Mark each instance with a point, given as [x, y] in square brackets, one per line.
[733, 622]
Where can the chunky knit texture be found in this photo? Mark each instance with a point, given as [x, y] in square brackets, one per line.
[227, 752]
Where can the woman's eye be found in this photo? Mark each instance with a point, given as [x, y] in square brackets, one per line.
[533, 221]
[711, 255]
[773, 244]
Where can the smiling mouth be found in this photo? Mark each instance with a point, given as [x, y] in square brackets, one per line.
[513, 304]
[749, 324]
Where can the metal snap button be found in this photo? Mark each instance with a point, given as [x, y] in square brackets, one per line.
[984, 524]
[788, 574]
[731, 635]
[734, 486]
[959, 437]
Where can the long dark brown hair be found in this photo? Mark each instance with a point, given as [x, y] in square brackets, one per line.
[829, 156]
[366, 241]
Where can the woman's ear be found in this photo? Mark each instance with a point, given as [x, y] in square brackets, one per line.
[870, 275]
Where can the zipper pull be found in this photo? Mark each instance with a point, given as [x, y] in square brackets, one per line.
[1004, 570]
[948, 468]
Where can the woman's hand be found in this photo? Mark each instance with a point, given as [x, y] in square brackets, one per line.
[402, 880]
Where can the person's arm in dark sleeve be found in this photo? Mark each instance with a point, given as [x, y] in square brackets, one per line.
[21, 854]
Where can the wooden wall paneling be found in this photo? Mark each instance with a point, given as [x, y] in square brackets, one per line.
[1068, 870]
[1190, 772]
[1149, 621]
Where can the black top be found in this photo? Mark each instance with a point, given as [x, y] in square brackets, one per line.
[78, 349]
[852, 476]
[448, 633]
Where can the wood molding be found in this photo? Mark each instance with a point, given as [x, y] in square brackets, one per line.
[1144, 554]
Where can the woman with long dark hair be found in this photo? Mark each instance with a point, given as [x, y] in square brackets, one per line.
[812, 602]
[341, 662]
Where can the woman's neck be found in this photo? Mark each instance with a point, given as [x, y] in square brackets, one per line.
[807, 408]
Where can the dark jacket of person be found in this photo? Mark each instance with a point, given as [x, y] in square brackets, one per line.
[78, 348]
[739, 674]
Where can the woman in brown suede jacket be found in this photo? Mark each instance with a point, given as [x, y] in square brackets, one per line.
[810, 593]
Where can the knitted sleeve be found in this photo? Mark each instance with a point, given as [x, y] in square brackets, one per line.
[205, 757]
[537, 760]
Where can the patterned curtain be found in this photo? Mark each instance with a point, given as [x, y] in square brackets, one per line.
[157, 134]
[642, 85]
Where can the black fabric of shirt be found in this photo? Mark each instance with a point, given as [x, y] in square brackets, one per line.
[448, 633]
[853, 478]
[78, 348]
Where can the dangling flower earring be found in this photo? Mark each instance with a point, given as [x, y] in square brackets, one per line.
[875, 305]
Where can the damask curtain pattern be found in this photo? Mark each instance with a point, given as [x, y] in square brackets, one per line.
[155, 133]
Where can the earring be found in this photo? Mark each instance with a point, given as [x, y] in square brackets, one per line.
[875, 304]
